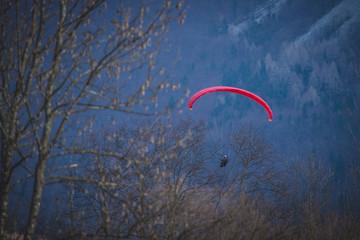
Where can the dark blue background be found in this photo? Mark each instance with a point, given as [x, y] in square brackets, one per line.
[299, 56]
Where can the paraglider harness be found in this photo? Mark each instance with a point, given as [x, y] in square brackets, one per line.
[224, 160]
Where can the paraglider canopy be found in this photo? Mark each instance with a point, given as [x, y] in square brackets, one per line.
[233, 90]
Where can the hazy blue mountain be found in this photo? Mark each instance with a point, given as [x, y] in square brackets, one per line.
[298, 55]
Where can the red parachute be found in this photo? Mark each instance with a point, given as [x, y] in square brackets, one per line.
[234, 90]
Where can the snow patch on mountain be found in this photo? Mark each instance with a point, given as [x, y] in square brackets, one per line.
[266, 9]
[336, 24]
[258, 15]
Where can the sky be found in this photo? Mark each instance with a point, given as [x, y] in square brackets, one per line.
[300, 56]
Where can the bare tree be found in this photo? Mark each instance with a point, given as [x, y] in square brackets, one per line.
[351, 219]
[155, 183]
[158, 185]
[60, 59]
[305, 202]
[355, 163]
[251, 167]
[246, 184]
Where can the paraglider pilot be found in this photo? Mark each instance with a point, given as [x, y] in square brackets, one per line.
[224, 161]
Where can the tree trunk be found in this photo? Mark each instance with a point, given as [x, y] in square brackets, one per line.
[4, 200]
[39, 177]
[6, 160]
[39, 183]
[7, 151]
